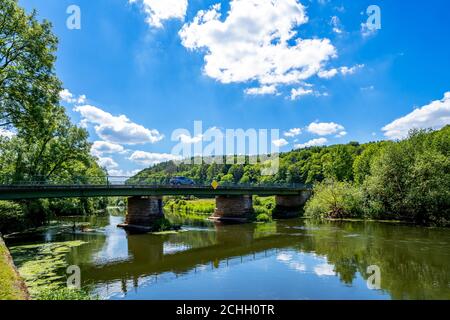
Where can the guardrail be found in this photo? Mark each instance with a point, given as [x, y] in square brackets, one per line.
[126, 181]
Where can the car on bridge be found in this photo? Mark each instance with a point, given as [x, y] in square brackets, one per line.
[181, 181]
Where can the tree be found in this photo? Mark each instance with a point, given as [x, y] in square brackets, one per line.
[46, 145]
[29, 88]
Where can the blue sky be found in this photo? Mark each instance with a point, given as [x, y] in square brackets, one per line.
[136, 70]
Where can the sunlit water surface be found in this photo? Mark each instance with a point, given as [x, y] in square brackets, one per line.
[286, 259]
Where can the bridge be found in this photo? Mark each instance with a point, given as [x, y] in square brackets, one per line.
[145, 206]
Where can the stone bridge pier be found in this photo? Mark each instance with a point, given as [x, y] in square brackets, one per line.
[290, 206]
[233, 208]
[143, 212]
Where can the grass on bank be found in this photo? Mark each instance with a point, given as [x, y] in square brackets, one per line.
[200, 209]
[11, 286]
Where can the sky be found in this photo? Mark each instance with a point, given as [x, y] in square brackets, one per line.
[323, 72]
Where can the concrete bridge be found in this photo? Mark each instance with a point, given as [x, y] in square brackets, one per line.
[145, 206]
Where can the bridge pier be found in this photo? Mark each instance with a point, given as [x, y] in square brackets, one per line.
[233, 208]
[290, 206]
[142, 213]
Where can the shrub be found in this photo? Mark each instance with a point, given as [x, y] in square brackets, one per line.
[11, 217]
[335, 200]
[263, 218]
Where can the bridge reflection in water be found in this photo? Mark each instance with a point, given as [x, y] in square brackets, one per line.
[142, 265]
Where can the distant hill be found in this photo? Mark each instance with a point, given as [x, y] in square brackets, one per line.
[343, 162]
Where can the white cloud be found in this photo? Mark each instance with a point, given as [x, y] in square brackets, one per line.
[284, 257]
[328, 74]
[312, 143]
[324, 269]
[117, 129]
[107, 163]
[325, 128]
[159, 10]
[272, 89]
[341, 134]
[367, 30]
[280, 142]
[103, 147]
[293, 132]
[350, 70]
[295, 93]
[67, 96]
[147, 158]
[256, 41]
[184, 138]
[434, 115]
[6, 133]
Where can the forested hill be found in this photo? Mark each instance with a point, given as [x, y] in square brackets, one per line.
[349, 162]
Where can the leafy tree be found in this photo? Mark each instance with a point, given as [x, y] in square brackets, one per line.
[28, 86]
[46, 145]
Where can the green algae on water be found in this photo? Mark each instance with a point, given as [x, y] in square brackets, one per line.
[42, 266]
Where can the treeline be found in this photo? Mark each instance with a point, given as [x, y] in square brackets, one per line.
[406, 180]
[37, 140]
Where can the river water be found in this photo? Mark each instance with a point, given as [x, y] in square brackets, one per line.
[285, 259]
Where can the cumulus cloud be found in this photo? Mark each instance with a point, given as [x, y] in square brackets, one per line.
[328, 74]
[117, 129]
[107, 163]
[341, 134]
[312, 143]
[256, 41]
[184, 138]
[295, 93]
[272, 89]
[67, 96]
[148, 158]
[158, 11]
[103, 147]
[280, 142]
[325, 128]
[350, 70]
[293, 132]
[434, 115]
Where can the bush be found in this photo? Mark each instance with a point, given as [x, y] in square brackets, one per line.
[11, 217]
[335, 200]
[263, 218]
[410, 180]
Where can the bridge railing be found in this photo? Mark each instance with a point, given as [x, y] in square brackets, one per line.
[111, 181]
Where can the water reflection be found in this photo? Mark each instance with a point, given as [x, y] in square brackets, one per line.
[295, 259]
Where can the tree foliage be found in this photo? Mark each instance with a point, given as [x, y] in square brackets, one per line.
[46, 146]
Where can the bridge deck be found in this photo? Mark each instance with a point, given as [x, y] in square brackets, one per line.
[22, 192]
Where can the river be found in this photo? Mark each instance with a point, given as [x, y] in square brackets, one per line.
[285, 259]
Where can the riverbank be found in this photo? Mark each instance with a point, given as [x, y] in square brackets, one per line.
[11, 284]
[203, 208]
